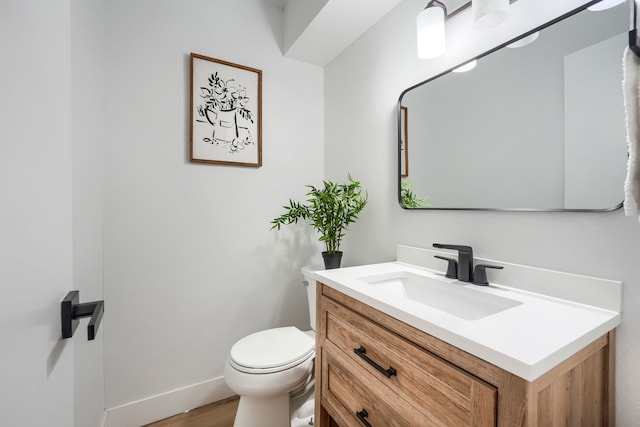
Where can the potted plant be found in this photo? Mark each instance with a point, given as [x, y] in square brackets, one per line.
[331, 209]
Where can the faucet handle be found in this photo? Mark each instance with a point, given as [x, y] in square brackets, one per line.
[459, 248]
[480, 273]
[452, 267]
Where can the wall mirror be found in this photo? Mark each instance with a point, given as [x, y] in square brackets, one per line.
[535, 128]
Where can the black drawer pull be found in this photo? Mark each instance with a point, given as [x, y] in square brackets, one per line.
[362, 352]
[362, 416]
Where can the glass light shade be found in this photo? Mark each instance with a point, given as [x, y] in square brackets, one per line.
[605, 4]
[525, 40]
[430, 30]
[489, 13]
[466, 67]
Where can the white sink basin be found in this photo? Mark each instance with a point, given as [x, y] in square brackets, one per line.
[438, 292]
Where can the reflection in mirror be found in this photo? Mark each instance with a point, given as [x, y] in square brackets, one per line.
[539, 127]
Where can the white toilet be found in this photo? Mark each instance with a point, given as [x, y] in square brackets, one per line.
[272, 372]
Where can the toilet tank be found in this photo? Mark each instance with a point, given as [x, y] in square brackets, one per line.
[310, 285]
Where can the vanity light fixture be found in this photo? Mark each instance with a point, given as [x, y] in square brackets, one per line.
[466, 67]
[430, 30]
[525, 40]
[489, 13]
[430, 23]
[604, 5]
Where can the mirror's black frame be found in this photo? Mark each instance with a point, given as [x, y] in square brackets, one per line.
[634, 45]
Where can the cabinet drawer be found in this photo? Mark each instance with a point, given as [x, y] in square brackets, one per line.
[350, 390]
[444, 393]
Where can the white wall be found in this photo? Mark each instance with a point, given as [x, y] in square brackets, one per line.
[362, 87]
[190, 263]
[87, 118]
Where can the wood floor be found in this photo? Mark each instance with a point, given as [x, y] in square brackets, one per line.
[218, 414]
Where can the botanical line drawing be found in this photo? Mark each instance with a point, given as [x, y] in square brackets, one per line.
[225, 109]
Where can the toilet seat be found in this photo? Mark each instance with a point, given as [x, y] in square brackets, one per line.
[272, 350]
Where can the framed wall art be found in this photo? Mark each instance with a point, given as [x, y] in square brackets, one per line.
[404, 141]
[226, 112]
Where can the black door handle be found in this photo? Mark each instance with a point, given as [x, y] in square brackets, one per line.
[362, 353]
[71, 310]
[362, 416]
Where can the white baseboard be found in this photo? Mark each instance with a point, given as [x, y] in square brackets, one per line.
[158, 407]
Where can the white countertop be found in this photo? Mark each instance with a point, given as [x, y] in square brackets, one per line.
[527, 340]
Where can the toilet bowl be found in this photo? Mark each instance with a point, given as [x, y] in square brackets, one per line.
[272, 372]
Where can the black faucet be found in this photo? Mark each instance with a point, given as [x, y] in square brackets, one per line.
[463, 268]
[465, 260]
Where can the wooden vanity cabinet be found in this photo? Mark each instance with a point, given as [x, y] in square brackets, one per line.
[374, 370]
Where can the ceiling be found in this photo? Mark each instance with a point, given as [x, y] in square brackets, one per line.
[316, 31]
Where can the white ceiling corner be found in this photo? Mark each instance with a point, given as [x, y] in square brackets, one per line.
[317, 35]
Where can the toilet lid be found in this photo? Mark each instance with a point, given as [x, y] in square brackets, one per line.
[272, 349]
